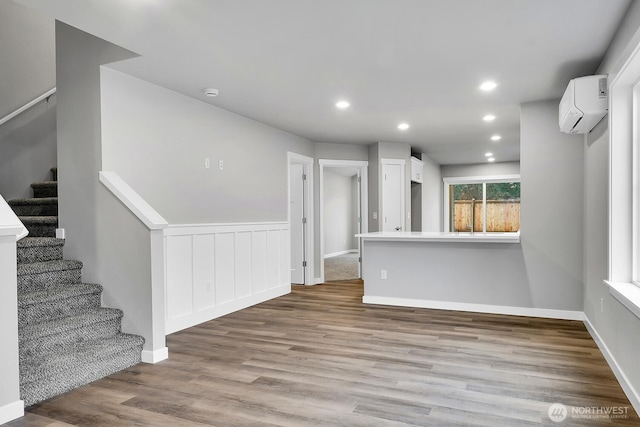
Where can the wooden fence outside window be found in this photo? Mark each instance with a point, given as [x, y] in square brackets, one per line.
[502, 215]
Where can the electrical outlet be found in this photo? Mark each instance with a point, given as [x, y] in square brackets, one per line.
[375, 215]
[383, 274]
[221, 164]
[207, 163]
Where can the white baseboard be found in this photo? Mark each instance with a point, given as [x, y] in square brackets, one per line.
[318, 281]
[629, 390]
[11, 411]
[348, 251]
[478, 308]
[155, 356]
[193, 319]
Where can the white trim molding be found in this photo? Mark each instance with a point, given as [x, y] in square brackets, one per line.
[477, 308]
[11, 411]
[132, 200]
[632, 394]
[155, 356]
[628, 294]
[310, 254]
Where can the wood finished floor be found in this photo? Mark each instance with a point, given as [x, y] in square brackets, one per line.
[319, 357]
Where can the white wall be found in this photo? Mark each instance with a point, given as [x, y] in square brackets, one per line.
[338, 213]
[142, 121]
[431, 195]
[27, 61]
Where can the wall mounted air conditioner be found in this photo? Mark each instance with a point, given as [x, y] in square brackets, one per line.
[583, 104]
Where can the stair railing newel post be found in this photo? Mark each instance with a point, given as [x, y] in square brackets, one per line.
[66, 338]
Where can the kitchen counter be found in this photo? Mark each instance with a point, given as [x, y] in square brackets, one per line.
[449, 237]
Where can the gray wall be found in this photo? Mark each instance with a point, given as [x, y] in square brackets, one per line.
[416, 206]
[326, 150]
[377, 152]
[482, 169]
[615, 325]
[113, 245]
[431, 195]
[139, 118]
[373, 197]
[338, 212]
[543, 272]
[27, 142]
[432, 272]
[551, 218]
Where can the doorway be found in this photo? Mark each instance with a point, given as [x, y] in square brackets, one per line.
[343, 210]
[300, 197]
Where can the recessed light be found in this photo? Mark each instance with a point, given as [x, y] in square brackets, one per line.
[211, 91]
[403, 126]
[488, 154]
[488, 86]
[342, 104]
[489, 118]
[496, 138]
[491, 159]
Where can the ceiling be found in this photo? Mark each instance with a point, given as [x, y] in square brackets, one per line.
[287, 62]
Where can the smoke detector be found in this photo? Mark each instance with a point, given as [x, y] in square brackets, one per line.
[211, 92]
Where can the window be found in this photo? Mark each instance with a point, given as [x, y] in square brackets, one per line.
[624, 181]
[482, 204]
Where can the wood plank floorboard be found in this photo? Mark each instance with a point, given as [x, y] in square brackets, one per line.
[319, 357]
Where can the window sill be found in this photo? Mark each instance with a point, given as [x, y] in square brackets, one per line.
[627, 293]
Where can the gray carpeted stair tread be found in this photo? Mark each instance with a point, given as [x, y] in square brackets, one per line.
[94, 360]
[45, 189]
[40, 226]
[48, 266]
[41, 206]
[57, 301]
[31, 242]
[62, 291]
[66, 338]
[39, 249]
[36, 331]
[44, 184]
[33, 201]
[39, 219]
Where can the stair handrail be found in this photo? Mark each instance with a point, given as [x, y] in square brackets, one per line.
[132, 200]
[26, 106]
[10, 224]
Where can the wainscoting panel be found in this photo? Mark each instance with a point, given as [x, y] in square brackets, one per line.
[179, 266]
[216, 269]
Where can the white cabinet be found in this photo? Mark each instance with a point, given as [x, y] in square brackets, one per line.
[416, 170]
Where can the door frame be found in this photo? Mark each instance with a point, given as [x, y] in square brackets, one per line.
[362, 166]
[307, 167]
[403, 201]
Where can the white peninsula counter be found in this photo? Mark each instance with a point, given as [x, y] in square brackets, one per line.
[482, 272]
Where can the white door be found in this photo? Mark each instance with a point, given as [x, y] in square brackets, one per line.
[392, 196]
[296, 209]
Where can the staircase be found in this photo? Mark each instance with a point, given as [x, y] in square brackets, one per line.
[66, 338]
